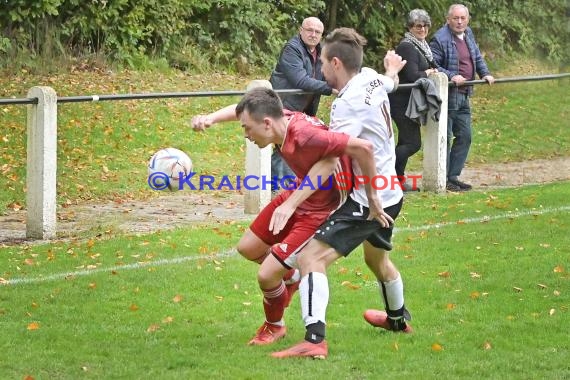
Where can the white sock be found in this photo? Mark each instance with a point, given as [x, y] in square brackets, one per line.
[392, 293]
[314, 294]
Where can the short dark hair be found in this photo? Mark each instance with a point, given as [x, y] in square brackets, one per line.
[347, 45]
[260, 102]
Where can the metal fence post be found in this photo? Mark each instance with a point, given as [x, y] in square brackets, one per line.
[41, 164]
[257, 164]
[434, 174]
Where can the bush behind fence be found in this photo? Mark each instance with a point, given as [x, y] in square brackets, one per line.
[193, 34]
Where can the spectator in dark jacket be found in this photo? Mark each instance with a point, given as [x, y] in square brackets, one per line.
[299, 67]
[458, 56]
[419, 64]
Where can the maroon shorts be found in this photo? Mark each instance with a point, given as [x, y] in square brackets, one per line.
[297, 232]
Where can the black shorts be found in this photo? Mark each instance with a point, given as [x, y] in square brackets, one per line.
[347, 228]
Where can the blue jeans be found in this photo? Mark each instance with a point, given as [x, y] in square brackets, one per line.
[458, 136]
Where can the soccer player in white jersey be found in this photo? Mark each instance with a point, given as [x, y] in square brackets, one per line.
[362, 109]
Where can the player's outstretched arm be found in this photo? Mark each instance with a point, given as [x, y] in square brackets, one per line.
[320, 170]
[201, 122]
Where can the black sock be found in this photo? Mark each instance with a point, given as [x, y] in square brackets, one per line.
[315, 332]
[397, 318]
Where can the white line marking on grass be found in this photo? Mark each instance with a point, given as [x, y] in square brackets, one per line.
[516, 214]
[233, 252]
[87, 272]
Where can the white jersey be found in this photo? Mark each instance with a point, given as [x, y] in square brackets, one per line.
[362, 109]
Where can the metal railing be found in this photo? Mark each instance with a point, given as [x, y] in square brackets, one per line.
[202, 94]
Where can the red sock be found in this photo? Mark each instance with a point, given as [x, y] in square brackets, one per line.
[274, 301]
[288, 274]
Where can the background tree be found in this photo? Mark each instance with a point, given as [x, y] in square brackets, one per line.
[245, 34]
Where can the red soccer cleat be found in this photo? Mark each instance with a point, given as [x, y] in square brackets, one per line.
[379, 318]
[267, 334]
[304, 350]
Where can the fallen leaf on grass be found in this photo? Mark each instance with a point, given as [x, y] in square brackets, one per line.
[15, 206]
[167, 320]
[542, 286]
[29, 261]
[450, 306]
[177, 298]
[33, 326]
[444, 274]
[350, 285]
[436, 347]
[474, 295]
[552, 311]
[133, 307]
[516, 289]
[487, 346]
[558, 269]
[152, 328]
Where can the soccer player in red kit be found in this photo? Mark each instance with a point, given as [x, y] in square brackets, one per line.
[310, 150]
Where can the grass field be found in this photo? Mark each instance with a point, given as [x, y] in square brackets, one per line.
[486, 276]
[486, 272]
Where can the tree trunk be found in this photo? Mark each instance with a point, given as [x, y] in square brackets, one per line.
[332, 14]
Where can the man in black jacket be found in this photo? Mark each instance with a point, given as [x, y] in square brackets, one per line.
[299, 67]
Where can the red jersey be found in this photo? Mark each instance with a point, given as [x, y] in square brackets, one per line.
[307, 141]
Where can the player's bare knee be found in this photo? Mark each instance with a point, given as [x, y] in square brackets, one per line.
[263, 279]
[269, 278]
[245, 251]
[251, 252]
